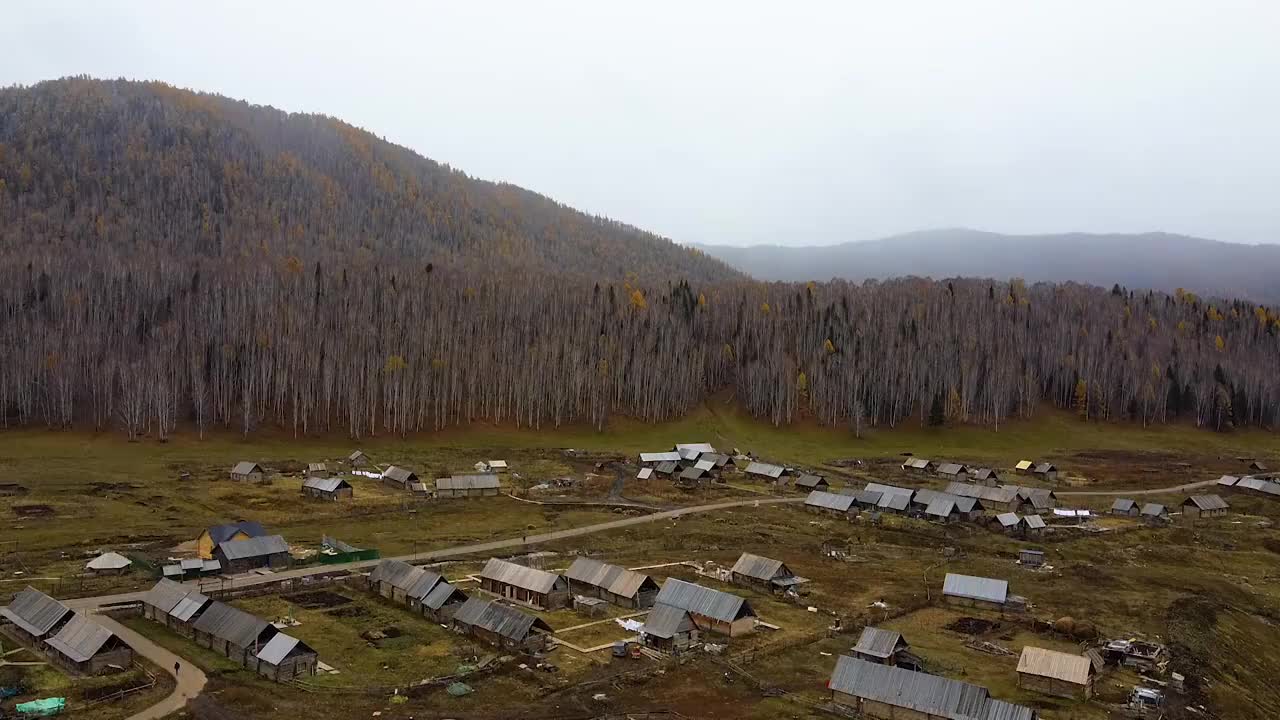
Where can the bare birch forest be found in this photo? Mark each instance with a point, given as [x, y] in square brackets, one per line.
[168, 259]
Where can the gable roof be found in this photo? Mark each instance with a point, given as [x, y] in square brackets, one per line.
[109, 561]
[1034, 522]
[440, 595]
[915, 464]
[759, 468]
[1153, 509]
[1074, 669]
[280, 646]
[232, 624]
[942, 505]
[325, 484]
[502, 620]
[317, 467]
[984, 473]
[165, 595]
[527, 578]
[644, 474]
[222, 533]
[189, 606]
[692, 473]
[665, 621]
[422, 583]
[975, 588]
[1228, 480]
[657, 457]
[1008, 519]
[760, 568]
[1206, 502]
[665, 467]
[244, 467]
[34, 612]
[950, 469]
[889, 489]
[612, 578]
[253, 547]
[81, 638]
[1123, 504]
[810, 481]
[396, 573]
[928, 694]
[894, 501]
[965, 504]
[878, 642]
[468, 482]
[695, 447]
[829, 501]
[399, 474]
[700, 600]
[1045, 467]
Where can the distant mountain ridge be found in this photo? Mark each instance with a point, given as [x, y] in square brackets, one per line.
[1159, 261]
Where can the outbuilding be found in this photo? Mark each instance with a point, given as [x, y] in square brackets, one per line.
[885, 692]
[214, 536]
[398, 477]
[317, 470]
[764, 471]
[108, 563]
[232, 633]
[1024, 467]
[526, 585]
[645, 473]
[161, 598]
[884, 647]
[919, 465]
[830, 503]
[1046, 471]
[669, 629]
[1257, 467]
[465, 486]
[985, 476]
[970, 591]
[1125, 506]
[1204, 506]
[86, 647]
[1154, 513]
[1031, 558]
[1008, 522]
[614, 583]
[357, 459]
[652, 459]
[247, 471]
[953, 471]
[712, 611]
[1033, 525]
[285, 657]
[763, 573]
[501, 626]
[237, 556]
[809, 482]
[34, 616]
[1056, 673]
[666, 467]
[442, 602]
[327, 488]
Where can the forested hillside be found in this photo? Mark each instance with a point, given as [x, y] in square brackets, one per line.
[167, 257]
[113, 170]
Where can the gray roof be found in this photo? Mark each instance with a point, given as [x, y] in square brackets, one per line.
[705, 464]
[1228, 480]
[314, 467]
[759, 468]
[232, 624]
[1045, 467]
[440, 595]
[613, 578]
[211, 566]
[1002, 494]
[927, 694]
[984, 473]
[869, 497]
[223, 533]
[165, 595]
[975, 588]
[941, 506]
[878, 642]
[1123, 504]
[965, 504]
[696, 447]
[325, 484]
[189, 606]
[337, 545]
[280, 646]
[253, 547]
[810, 481]
[1250, 482]
[916, 463]
[890, 489]
[399, 474]
[396, 573]
[894, 501]
[468, 482]
[502, 620]
[1035, 522]
[195, 564]
[950, 469]
[924, 496]
[1153, 509]
[422, 583]
[644, 474]
[666, 467]
[356, 455]
[244, 467]
[34, 612]
[527, 578]
[109, 561]
[700, 600]
[829, 501]
[81, 638]
[1207, 502]
[657, 457]
[666, 621]
[1007, 519]
[692, 473]
[760, 568]
[1001, 710]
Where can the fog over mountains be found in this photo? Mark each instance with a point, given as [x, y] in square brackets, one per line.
[1160, 261]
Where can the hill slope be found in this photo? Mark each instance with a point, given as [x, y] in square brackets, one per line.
[123, 168]
[1152, 260]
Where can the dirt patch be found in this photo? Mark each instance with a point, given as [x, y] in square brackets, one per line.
[102, 488]
[11, 489]
[33, 511]
[391, 631]
[317, 599]
[973, 626]
[352, 611]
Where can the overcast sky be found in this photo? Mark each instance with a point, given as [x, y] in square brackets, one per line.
[736, 123]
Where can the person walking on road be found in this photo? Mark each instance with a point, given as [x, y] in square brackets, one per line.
[177, 667]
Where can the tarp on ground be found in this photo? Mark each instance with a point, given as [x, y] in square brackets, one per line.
[42, 708]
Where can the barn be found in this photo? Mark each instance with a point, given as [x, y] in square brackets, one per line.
[669, 629]
[810, 482]
[1046, 471]
[232, 633]
[357, 459]
[34, 616]
[237, 556]
[1204, 506]
[85, 647]
[885, 647]
[1055, 673]
[830, 503]
[985, 476]
[712, 611]
[501, 626]
[1124, 506]
[970, 591]
[398, 477]
[214, 536]
[764, 471]
[327, 488]
[616, 584]
[885, 692]
[953, 471]
[246, 471]
[285, 657]
[464, 486]
[763, 573]
[317, 470]
[530, 586]
[442, 602]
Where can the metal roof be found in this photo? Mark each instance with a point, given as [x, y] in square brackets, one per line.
[924, 496]
[889, 489]
[499, 619]
[666, 467]
[499, 464]
[188, 607]
[244, 467]
[223, 533]
[337, 545]
[325, 484]
[1074, 669]
[190, 564]
[527, 578]
[894, 501]
[644, 474]
[1024, 465]
[211, 566]
[253, 547]
[422, 583]
[700, 600]
[468, 482]
[984, 473]
[1002, 494]
[1153, 509]
[613, 578]
[109, 561]
[399, 474]
[1206, 502]
[695, 447]
[1123, 504]
[692, 473]
[396, 573]
[440, 595]
[1039, 499]
[927, 694]
[657, 457]
[665, 621]
[232, 624]
[759, 468]
[975, 588]
[810, 481]
[81, 638]
[760, 568]
[868, 497]
[705, 464]
[1228, 480]
[356, 455]
[941, 506]
[829, 501]
[280, 646]
[35, 612]
[316, 467]
[965, 504]
[1250, 482]
[950, 469]
[1045, 467]
[165, 595]
[915, 464]
[1034, 522]
[1007, 519]
[1001, 710]
[878, 642]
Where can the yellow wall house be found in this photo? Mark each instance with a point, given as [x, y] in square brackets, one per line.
[210, 537]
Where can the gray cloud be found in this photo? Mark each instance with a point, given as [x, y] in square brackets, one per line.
[731, 122]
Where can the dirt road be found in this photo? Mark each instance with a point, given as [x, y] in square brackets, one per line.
[1126, 493]
[189, 679]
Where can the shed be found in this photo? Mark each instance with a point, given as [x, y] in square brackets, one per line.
[442, 602]
[498, 466]
[162, 598]
[1031, 558]
[942, 508]
[1228, 480]
[645, 473]
[232, 633]
[1040, 499]
[357, 459]
[692, 451]
[764, 471]
[393, 579]
[183, 615]
[211, 537]
[399, 477]
[975, 591]
[706, 465]
[237, 556]
[653, 459]
[894, 502]
[953, 470]
[1055, 673]
[829, 503]
[886, 692]
[881, 646]
[1258, 467]
[669, 629]
[915, 464]
[1154, 512]
[35, 616]
[1203, 506]
[763, 573]
[461, 486]
[108, 563]
[327, 488]
[1033, 525]
[1008, 522]
[520, 584]
[317, 470]
[1124, 506]
[501, 626]
[85, 647]
[712, 610]
[812, 482]
[691, 476]
[1046, 471]
[666, 467]
[247, 471]
[1024, 466]
[985, 476]
[614, 583]
[285, 657]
